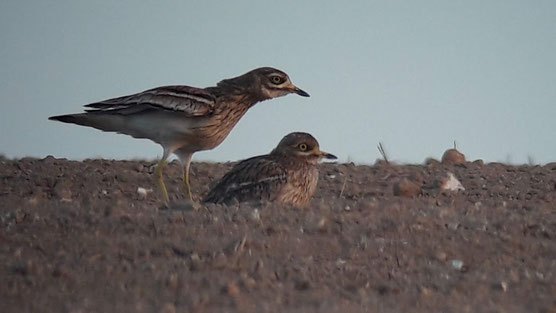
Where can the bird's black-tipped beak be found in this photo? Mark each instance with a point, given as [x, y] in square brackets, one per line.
[330, 156]
[300, 92]
[327, 155]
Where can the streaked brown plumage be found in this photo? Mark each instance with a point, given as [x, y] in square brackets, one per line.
[185, 119]
[288, 174]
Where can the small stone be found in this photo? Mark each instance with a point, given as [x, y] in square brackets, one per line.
[431, 162]
[143, 192]
[340, 263]
[504, 286]
[172, 281]
[255, 215]
[302, 284]
[168, 308]
[441, 256]
[249, 283]
[514, 276]
[62, 271]
[196, 262]
[259, 267]
[425, 291]
[49, 159]
[148, 267]
[62, 191]
[20, 216]
[322, 223]
[368, 204]
[452, 157]
[451, 183]
[36, 197]
[220, 261]
[459, 265]
[417, 177]
[498, 189]
[406, 188]
[232, 289]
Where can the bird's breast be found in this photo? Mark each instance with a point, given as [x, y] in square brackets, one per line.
[212, 130]
[302, 184]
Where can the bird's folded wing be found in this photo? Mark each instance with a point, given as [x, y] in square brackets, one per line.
[184, 99]
[258, 178]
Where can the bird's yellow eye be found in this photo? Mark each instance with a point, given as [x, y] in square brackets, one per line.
[277, 80]
[302, 147]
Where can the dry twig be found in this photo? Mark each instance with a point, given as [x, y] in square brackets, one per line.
[382, 152]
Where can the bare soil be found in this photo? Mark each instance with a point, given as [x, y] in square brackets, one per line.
[79, 237]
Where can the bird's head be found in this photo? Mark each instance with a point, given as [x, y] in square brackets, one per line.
[264, 83]
[302, 145]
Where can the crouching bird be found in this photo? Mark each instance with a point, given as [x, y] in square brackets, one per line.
[288, 174]
[183, 119]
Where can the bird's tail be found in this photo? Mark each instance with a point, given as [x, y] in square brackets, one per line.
[105, 122]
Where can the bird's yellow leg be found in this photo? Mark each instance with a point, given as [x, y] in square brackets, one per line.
[187, 186]
[185, 158]
[159, 180]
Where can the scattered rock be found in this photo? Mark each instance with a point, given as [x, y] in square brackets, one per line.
[62, 191]
[20, 216]
[232, 289]
[430, 162]
[504, 286]
[139, 167]
[441, 256]
[302, 284]
[451, 183]
[322, 223]
[406, 188]
[255, 215]
[452, 157]
[425, 291]
[340, 263]
[196, 262]
[172, 281]
[458, 265]
[143, 192]
[168, 308]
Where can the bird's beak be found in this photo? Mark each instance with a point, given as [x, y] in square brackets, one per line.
[326, 155]
[298, 91]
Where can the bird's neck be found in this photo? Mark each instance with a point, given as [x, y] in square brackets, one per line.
[240, 88]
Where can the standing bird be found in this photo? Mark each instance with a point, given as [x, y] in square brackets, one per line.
[185, 119]
[288, 174]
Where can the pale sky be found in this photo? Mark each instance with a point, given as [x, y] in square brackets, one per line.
[415, 75]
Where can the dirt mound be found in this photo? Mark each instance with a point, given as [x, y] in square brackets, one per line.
[91, 236]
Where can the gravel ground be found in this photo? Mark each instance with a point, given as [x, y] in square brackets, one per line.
[92, 236]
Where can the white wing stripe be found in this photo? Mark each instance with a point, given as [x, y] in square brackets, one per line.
[263, 180]
[179, 95]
